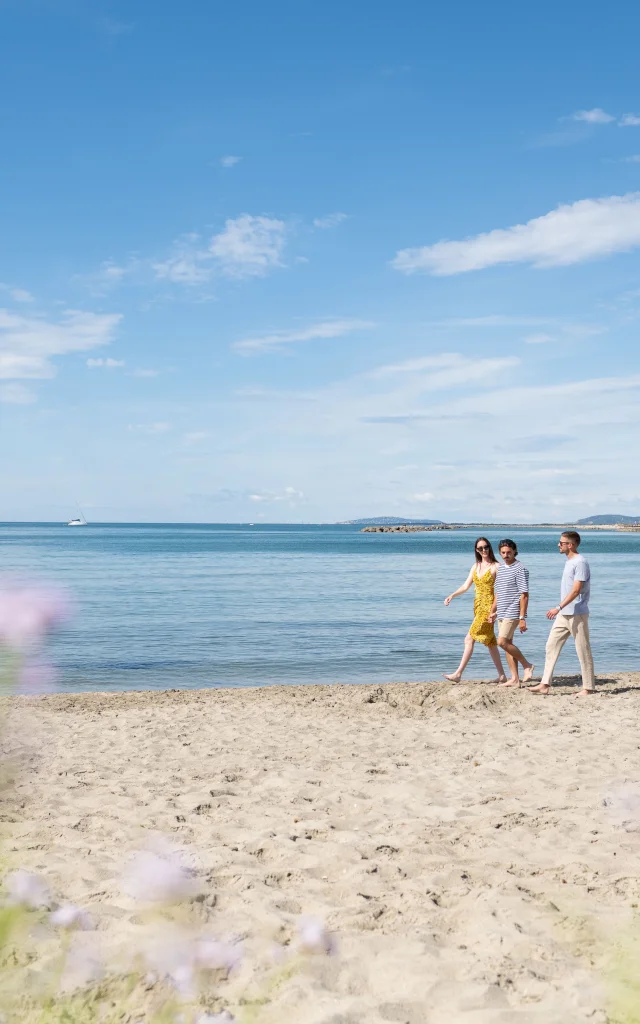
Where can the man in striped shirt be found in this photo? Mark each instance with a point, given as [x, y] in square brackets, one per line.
[510, 609]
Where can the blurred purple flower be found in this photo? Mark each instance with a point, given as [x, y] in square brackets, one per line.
[84, 963]
[158, 875]
[28, 613]
[27, 889]
[315, 937]
[71, 918]
[212, 955]
[36, 676]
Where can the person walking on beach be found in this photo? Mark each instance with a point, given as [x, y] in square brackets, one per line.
[570, 617]
[482, 573]
[510, 609]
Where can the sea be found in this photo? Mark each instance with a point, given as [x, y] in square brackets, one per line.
[216, 605]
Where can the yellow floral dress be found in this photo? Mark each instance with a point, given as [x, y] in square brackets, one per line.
[480, 629]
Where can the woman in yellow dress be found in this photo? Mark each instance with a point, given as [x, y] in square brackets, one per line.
[483, 574]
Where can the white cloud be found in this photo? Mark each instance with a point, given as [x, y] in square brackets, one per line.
[633, 159]
[110, 274]
[16, 394]
[447, 370]
[249, 246]
[629, 121]
[594, 116]
[193, 436]
[290, 494]
[331, 220]
[17, 294]
[144, 373]
[572, 233]
[425, 496]
[188, 264]
[538, 339]
[28, 344]
[107, 363]
[150, 428]
[280, 339]
[230, 161]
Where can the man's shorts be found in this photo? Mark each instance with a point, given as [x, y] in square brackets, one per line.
[507, 627]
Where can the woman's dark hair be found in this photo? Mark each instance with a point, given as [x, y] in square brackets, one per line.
[492, 557]
[508, 544]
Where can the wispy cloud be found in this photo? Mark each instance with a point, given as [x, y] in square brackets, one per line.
[331, 220]
[17, 294]
[144, 373]
[594, 116]
[230, 161]
[280, 340]
[247, 247]
[448, 370]
[290, 495]
[150, 428]
[28, 344]
[633, 159]
[110, 274]
[538, 339]
[492, 320]
[108, 364]
[16, 394]
[629, 121]
[572, 233]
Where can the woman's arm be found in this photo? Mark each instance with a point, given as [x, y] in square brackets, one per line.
[463, 589]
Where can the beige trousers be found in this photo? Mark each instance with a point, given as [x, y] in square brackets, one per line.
[563, 627]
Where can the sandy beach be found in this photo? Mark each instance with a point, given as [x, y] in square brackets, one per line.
[453, 837]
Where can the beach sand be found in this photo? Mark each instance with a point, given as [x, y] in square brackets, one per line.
[453, 837]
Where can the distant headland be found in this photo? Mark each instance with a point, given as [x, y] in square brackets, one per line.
[397, 524]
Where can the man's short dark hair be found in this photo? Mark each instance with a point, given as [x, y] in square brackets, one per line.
[573, 536]
[508, 544]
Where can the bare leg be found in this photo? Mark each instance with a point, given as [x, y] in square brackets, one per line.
[456, 676]
[497, 661]
[515, 655]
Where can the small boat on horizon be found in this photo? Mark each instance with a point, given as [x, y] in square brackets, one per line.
[79, 521]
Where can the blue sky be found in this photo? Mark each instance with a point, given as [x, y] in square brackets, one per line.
[307, 262]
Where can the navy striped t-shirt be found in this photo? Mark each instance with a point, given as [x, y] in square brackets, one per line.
[511, 581]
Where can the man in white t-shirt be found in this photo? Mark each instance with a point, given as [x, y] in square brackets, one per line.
[571, 617]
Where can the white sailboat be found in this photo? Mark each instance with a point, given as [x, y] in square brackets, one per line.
[80, 521]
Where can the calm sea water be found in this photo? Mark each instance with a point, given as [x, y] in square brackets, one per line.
[217, 605]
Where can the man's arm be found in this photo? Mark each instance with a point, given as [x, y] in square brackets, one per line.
[524, 604]
[571, 596]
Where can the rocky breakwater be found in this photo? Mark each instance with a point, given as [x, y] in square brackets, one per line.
[405, 528]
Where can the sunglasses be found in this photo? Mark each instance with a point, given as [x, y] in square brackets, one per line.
[482, 547]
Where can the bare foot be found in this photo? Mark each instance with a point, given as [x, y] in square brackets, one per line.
[585, 693]
[541, 688]
[528, 674]
[512, 682]
[452, 678]
[501, 680]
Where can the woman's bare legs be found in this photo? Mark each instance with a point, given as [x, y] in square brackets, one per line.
[456, 676]
[497, 661]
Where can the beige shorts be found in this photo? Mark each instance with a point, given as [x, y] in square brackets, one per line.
[507, 627]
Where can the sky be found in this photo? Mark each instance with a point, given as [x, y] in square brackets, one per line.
[303, 262]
